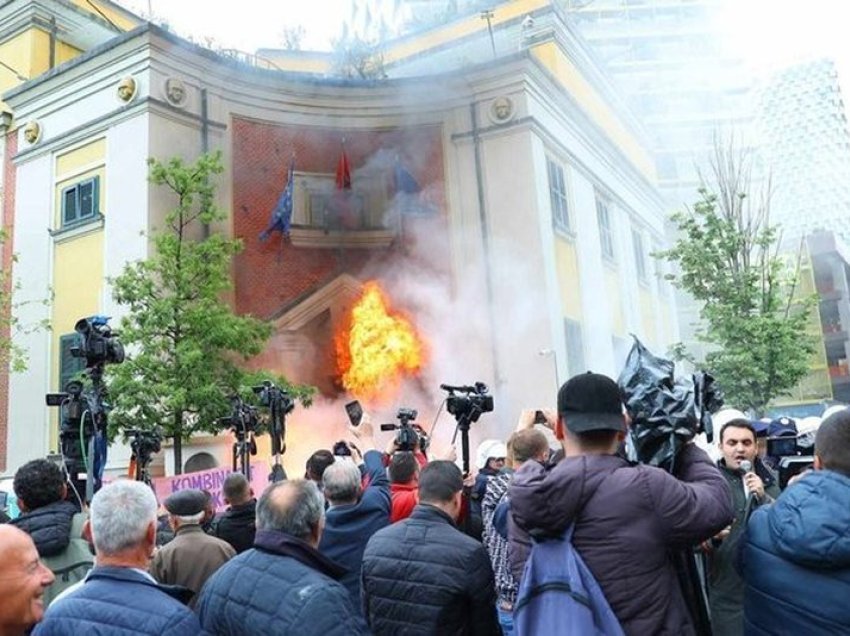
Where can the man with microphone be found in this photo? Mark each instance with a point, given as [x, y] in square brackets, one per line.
[751, 484]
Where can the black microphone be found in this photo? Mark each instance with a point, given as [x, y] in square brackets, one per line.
[459, 389]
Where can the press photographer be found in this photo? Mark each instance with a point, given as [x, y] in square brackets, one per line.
[356, 511]
[644, 513]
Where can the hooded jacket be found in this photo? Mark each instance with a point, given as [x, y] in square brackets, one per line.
[627, 519]
[795, 560]
[56, 529]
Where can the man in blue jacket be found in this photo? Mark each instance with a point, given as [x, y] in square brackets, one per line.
[118, 595]
[796, 554]
[284, 585]
[355, 513]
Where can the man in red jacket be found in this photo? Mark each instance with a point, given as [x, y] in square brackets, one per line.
[627, 518]
[404, 484]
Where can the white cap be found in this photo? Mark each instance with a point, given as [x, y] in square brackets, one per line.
[489, 448]
[808, 424]
[832, 410]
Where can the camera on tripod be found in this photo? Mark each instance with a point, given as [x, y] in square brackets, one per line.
[409, 436]
[272, 396]
[82, 422]
[144, 443]
[243, 418]
[100, 345]
[472, 404]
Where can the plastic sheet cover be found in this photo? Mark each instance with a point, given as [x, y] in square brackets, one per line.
[665, 412]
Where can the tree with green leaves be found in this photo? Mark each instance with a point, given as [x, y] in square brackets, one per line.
[12, 356]
[184, 342]
[754, 320]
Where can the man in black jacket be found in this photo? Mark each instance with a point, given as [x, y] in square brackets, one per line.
[424, 576]
[55, 524]
[750, 485]
[237, 525]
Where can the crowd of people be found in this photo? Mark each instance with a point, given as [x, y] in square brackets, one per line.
[392, 542]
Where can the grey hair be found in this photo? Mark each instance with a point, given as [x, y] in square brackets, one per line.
[341, 481]
[297, 512]
[121, 514]
[187, 520]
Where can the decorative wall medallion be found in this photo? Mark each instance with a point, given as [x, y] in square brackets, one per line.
[175, 91]
[32, 132]
[127, 89]
[502, 110]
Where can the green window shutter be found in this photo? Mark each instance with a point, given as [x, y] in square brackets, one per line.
[69, 365]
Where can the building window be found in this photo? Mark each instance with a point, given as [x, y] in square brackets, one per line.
[606, 237]
[640, 258]
[558, 196]
[80, 201]
[575, 347]
[69, 365]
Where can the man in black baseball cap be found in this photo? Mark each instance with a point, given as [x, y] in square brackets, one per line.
[591, 402]
[626, 518]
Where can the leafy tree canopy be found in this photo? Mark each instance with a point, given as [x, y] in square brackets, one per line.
[185, 345]
[753, 317]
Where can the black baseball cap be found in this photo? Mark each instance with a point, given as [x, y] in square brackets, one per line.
[591, 402]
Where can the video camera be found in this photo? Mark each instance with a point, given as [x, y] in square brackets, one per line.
[82, 420]
[409, 435]
[144, 443]
[243, 418]
[795, 454]
[271, 396]
[472, 404]
[341, 449]
[100, 345]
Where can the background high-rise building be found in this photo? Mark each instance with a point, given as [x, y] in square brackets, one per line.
[805, 142]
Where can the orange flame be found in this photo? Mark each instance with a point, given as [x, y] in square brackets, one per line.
[377, 348]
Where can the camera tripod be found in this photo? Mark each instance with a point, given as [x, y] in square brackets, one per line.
[277, 403]
[243, 448]
[83, 434]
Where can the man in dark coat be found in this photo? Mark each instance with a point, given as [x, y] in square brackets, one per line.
[192, 556]
[284, 585]
[424, 576]
[237, 525]
[55, 525]
[749, 489]
[627, 518]
[354, 514]
[795, 559]
[118, 595]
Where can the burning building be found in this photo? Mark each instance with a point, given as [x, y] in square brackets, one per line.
[470, 217]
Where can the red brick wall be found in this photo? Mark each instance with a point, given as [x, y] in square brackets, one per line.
[268, 278]
[8, 221]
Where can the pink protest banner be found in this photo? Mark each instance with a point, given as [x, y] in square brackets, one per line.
[211, 480]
